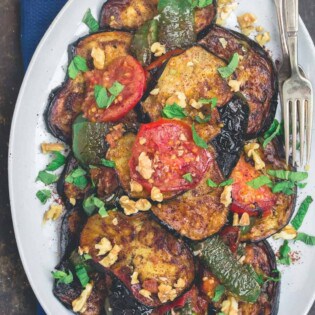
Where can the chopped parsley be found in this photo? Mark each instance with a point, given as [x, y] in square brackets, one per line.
[62, 276]
[227, 71]
[259, 182]
[198, 141]
[82, 275]
[212, 184]
[90, 21]
[57, 162]
[200, 3]
[77, 65]
[299, 217]
[188, 177]
[47, 178]
[218, 292]
[272, 132]
[108, 163]
[213, 101]
[78, 178]
[43, 195]
[305, 238]
[91, 203]
[284, 251]
[173, 111]
[103, 100]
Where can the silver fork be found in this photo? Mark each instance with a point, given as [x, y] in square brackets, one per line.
[297, 93]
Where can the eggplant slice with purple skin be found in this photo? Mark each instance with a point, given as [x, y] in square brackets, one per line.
[65, 102]
[154, 265]
[262, 227]
[132, 14]
[256, 71]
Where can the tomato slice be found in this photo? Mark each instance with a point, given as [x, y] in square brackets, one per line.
[163, 153]
[247, 199]
[128, 72]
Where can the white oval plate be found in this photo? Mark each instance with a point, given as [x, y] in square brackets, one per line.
[38, 245]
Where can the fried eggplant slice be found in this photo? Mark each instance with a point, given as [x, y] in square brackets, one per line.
[131, 14]
[255, 71]
[65, 102]
[154, 265]
[269, 211]
[185, 80]
[198, 213]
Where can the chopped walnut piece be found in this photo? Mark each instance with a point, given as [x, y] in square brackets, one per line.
[251, 151]
[134, 278]
[158, 49]
[112, 257]
[145, 166]
[72, 201]
[143, 205]
[244, 221]
[104, 246]
[263, 39]
[155, 91]
[225, 8]
[235, 85]
[190, 64]
[135, 187]
[53, 213]
[128, 205]
[287, 233]
[145, 293]
[230, 306]
[142, 141]
[166, 293]
[223, 42]
[246, 22]
[179, 98]
[180, 283]
[51, 147]
[197, 105]
[226, 196]
[236, 219]
[98, 56]
[79, 304]
[156, 194]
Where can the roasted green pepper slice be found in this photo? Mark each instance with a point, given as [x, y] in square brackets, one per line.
[176, 24]
[236, 278]
[142, 41]
[88, 144]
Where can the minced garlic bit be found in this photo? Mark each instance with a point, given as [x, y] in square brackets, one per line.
[230, 306]
[143, 205]
[246, 23]
[72, 201]
[251, 151]
[135, 186]
[223, 42]
[128, 205]
[179, 98]
[115, 221]
[197, 105]
[145, 166]
[180, 283]
[158, 49]
[145, 293]
[104, 246]
[225, 8]
[79, 304]
[53, 213]
[112, 257]
[236, 219]
[166, 293]
[235, 85]
[155, 91]
[263, 38]
[156, 194]
[98, 56]
[51, 147]
[287, 233]
[134, 278]
[226, 196]
[244, 221]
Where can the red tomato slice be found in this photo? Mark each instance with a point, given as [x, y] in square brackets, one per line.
[128, 72]
[247, 199]
[163, 153]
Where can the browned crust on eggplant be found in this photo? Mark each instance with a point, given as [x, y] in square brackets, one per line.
[146, 248]
[204, 17]
[198, 213]
[193, 73]
[255, 71]
[284, 208]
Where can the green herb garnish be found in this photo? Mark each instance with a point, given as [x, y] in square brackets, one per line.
[57, 162]
[108, 163]
[90, 21]
[92, 203]
[284, 252]
[82, 275]
[199, 141]
[47, 178]
[62, 276]
[173, 111]
[204, 120]
[188, 177]
[271, 133]
[305, 238]
[77, 65]
[213, 101]
[259, 182]
[284, 187]
[200, 3]
[211, 183]
[43, 195]
[101, 96]
[227, 182]
[227, 71]
[218, 292]
[78, 178]
[288, 175]
[299, 217]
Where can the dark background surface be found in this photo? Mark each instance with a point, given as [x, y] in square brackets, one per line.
[16, 296]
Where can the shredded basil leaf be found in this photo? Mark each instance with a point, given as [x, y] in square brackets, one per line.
[211, 183]
[305, 238]
[77, 178]
[227, 182]
[227, 71]
[199, 141]
[116, 88]
[90, 21]
[82, 275]
[108, 163]
[173, 111]
[77, 65]
[259, 182]
[284, 252]
[288, 175]
[188, 177]
[285, 187]
[57, 162]
[102, 212]
[62, 276]
[47, 178]
[218, 292]
[43, 195]
[91, 203]
[299, 217]
[270, 134]
[101, 96]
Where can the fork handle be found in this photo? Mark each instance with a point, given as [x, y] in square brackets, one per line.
[281, 23]
[292, 28]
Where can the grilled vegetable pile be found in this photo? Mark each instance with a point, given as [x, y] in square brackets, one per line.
[175, 175]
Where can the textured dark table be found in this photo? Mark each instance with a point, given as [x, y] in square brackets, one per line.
[16, 296]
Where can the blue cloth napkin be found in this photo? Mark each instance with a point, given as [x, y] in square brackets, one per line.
[36, 16]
